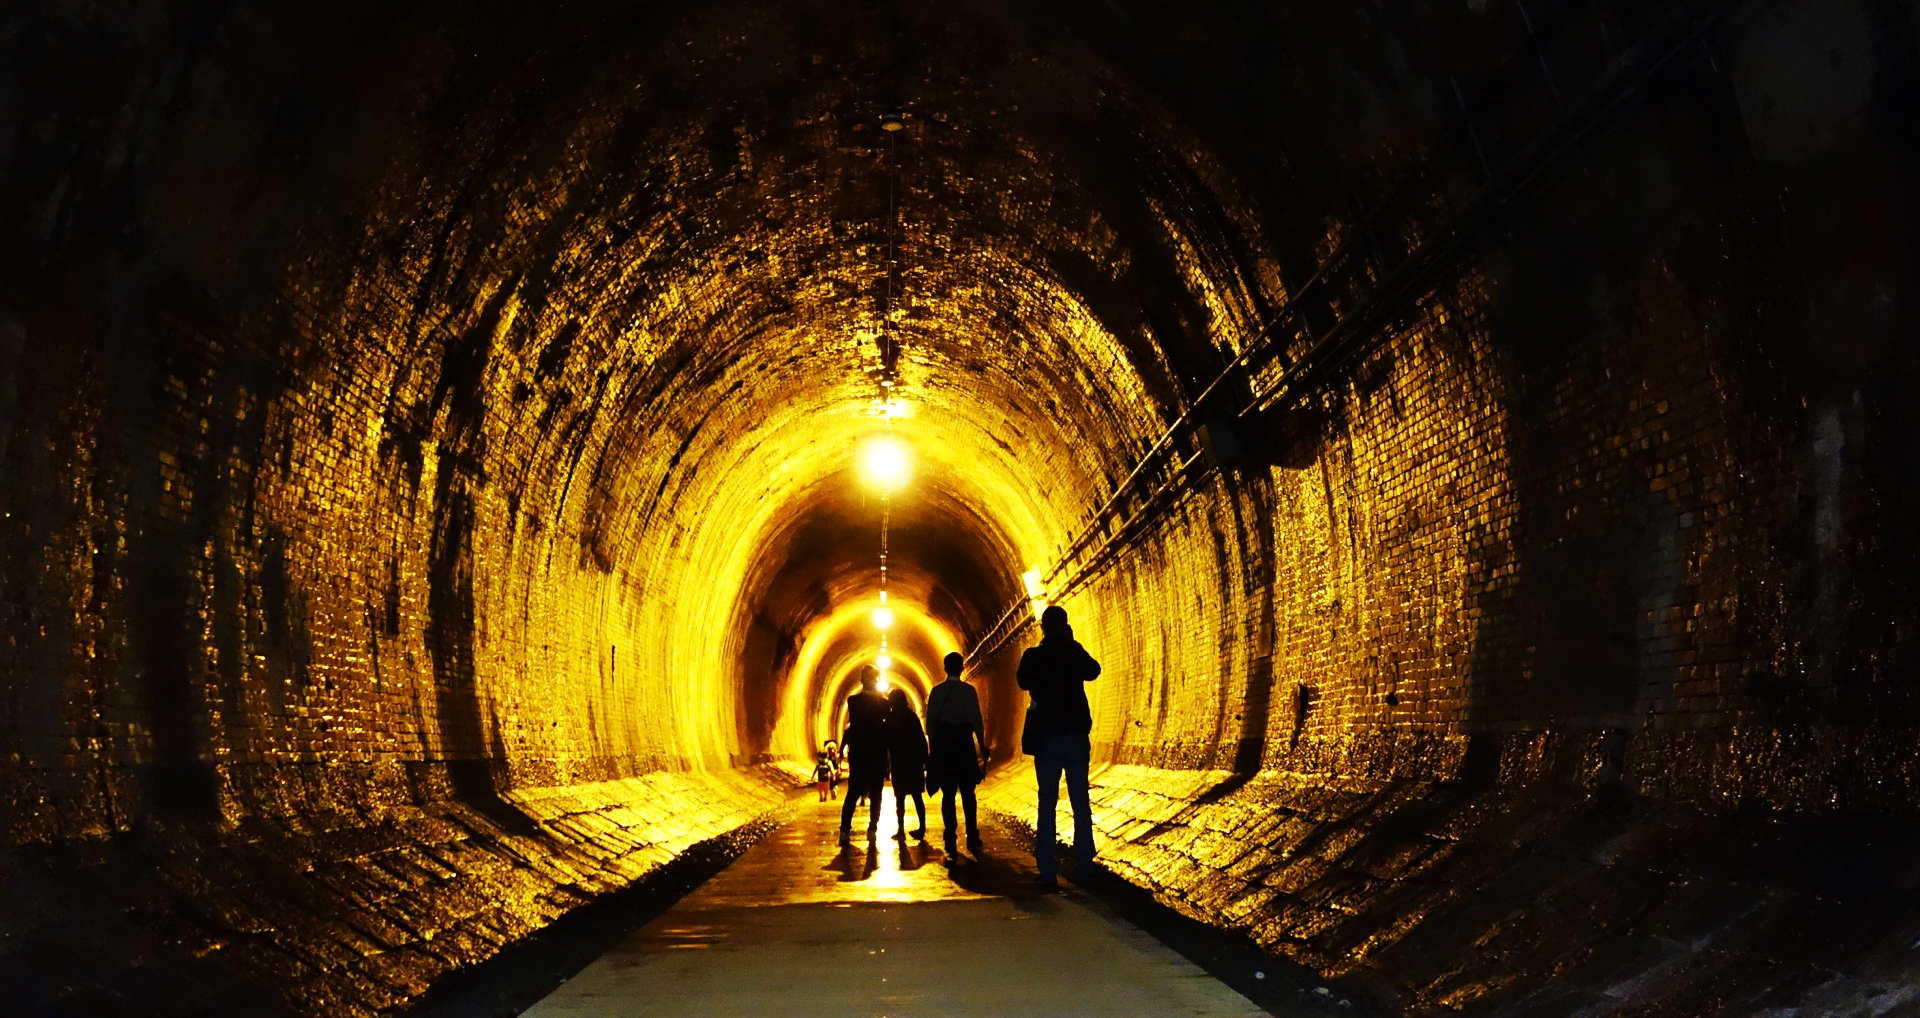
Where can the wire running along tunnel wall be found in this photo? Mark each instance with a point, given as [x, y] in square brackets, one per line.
[1469, 434]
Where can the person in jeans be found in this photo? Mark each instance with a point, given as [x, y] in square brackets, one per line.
[957, 735]
[1055, 673]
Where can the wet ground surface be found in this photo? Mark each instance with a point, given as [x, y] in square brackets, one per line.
[799, 925]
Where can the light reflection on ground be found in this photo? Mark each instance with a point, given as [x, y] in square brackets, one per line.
[815, 869]
[797, 926]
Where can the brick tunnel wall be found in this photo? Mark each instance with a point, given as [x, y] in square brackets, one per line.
[1561, 659]
[319, 683]
[1575, 651]
[310, 715]
[375, 535]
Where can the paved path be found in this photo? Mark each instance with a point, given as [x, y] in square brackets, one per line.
[798, 926]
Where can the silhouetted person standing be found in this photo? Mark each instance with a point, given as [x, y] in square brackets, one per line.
[907, 759]
[865, 746]
[823, 777]
[957, 751]
[1057, 736]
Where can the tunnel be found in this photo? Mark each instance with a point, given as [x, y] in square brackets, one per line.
[1475, 436]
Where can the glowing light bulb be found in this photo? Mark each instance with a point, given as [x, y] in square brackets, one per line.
[1036, 591]
[883, 662]
[885, 463]
[883, 619]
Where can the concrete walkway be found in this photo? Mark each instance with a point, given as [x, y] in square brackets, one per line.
[799, 926]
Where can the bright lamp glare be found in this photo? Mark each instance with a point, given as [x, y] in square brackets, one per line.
[885, 464]
[883, 619]
[1036, 591]
[883, 662]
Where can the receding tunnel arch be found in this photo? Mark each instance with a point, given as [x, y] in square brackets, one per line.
[636, 383]
[804, 560]
[833, 653]
[429, 434]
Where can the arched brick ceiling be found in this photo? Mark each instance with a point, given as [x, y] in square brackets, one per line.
[430, 437]
[632, 281]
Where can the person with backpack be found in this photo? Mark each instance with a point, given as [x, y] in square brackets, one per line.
[832, 750]
[823, 777]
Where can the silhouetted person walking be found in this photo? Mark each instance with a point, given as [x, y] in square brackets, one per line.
[823, 777]
[907, 759]
[1057, 736]
[865, 746]
[957, 751]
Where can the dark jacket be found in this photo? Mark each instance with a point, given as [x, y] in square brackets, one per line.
[906, 749]
[866, 737]
[1055, 673]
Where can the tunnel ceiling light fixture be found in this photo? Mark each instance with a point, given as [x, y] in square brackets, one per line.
[1036, 591]
[885, 464]
[884, 461]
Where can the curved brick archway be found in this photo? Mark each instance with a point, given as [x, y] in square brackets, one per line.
[1471, 434]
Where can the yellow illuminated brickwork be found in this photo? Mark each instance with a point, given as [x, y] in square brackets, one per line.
[433, 497]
